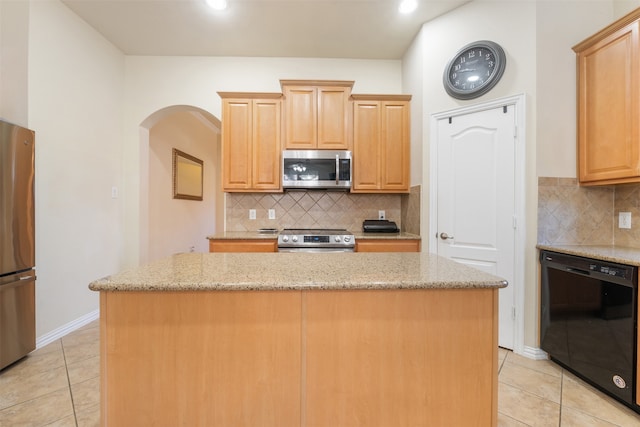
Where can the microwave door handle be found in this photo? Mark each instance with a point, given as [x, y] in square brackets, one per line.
[337, 169]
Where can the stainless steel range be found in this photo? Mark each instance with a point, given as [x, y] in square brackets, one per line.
[315, 240]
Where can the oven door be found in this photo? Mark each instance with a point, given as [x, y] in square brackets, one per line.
[316, 250]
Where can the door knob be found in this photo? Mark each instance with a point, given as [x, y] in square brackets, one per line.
[445, 236]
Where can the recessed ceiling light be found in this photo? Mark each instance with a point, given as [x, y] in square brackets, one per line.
[217, 4]
[408, 6]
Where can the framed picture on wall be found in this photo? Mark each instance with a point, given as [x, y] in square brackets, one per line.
[187, 176]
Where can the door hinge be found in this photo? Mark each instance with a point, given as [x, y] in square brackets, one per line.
[514, 222]
[515, 132]
[513, 313]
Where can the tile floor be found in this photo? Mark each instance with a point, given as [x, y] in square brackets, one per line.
[58, 386]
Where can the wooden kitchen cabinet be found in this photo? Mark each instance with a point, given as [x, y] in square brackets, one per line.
[608, 65]
[243, 245]
[316, 114]
[387, 245]
[381, 143]
[251, 141]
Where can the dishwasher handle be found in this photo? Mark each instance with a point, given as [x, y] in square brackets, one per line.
[578, 271]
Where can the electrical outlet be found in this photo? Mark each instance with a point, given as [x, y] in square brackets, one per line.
[272, 214]
[624, 220]
[381, 215]
[114, 192]
[252, 214]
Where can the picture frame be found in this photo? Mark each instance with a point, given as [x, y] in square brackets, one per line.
[188, 172]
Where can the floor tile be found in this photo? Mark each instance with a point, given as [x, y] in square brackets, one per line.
[506, 421]
[526, 407]
[89, 417]
[18, 389]
[577, 394]
[44, 410]
[573, 418]
[84, 370]
[86, 394]
[544, 366]
[535, 382]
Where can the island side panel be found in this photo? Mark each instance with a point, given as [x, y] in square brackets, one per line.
[200, 358]
[405, 358]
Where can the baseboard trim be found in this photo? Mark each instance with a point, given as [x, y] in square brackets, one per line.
[63, 330]
[534, 353]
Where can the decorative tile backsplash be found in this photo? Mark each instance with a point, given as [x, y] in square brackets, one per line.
[627, 199]
[574, 215]
[320, 209]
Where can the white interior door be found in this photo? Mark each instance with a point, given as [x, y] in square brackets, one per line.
[476, 199]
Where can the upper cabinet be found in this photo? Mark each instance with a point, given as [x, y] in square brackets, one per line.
[316, 114]
[381, 143]
[608, 66]
[251, 141]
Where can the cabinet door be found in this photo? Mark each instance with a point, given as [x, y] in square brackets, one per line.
[266, 145]
[301, 117]
[236, 144]
[243, 245]
[333, 118]
[608, 98]
[366, 145]
[395, 146]
[381, 146]
[388, 245]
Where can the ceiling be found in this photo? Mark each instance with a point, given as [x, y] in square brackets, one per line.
[359, 29]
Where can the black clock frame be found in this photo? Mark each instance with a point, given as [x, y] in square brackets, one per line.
[501, 63]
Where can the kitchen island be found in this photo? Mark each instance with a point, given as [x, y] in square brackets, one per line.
[299, 339]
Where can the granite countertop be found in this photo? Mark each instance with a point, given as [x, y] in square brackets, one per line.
[298, 271]
[618, 254]
[250, 235]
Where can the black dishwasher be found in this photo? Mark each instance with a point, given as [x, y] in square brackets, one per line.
[588, 321]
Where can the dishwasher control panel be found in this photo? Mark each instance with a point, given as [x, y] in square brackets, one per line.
[610, 270]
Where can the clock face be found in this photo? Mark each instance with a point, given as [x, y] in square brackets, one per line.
[474, 70]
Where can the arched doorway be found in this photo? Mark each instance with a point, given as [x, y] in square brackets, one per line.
[168, 225]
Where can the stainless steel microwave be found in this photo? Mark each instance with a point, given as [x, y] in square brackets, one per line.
[316, 169]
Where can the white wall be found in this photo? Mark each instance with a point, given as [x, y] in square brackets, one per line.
[540, 64]
[75, 103]
[556, 82]
[177, 225]
[14, 40]
[153, 83]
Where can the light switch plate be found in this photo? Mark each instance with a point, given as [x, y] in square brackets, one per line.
[624, 220]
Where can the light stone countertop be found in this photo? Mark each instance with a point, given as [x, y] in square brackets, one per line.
[250, 235]
[618, 254]
[298, 271]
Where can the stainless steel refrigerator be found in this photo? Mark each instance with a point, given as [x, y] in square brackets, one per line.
[17, 243]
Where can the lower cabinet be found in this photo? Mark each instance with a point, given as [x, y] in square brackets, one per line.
[313, 358]
[388, 245]
[243, 245]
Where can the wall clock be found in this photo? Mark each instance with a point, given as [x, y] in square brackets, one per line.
[474, 70]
